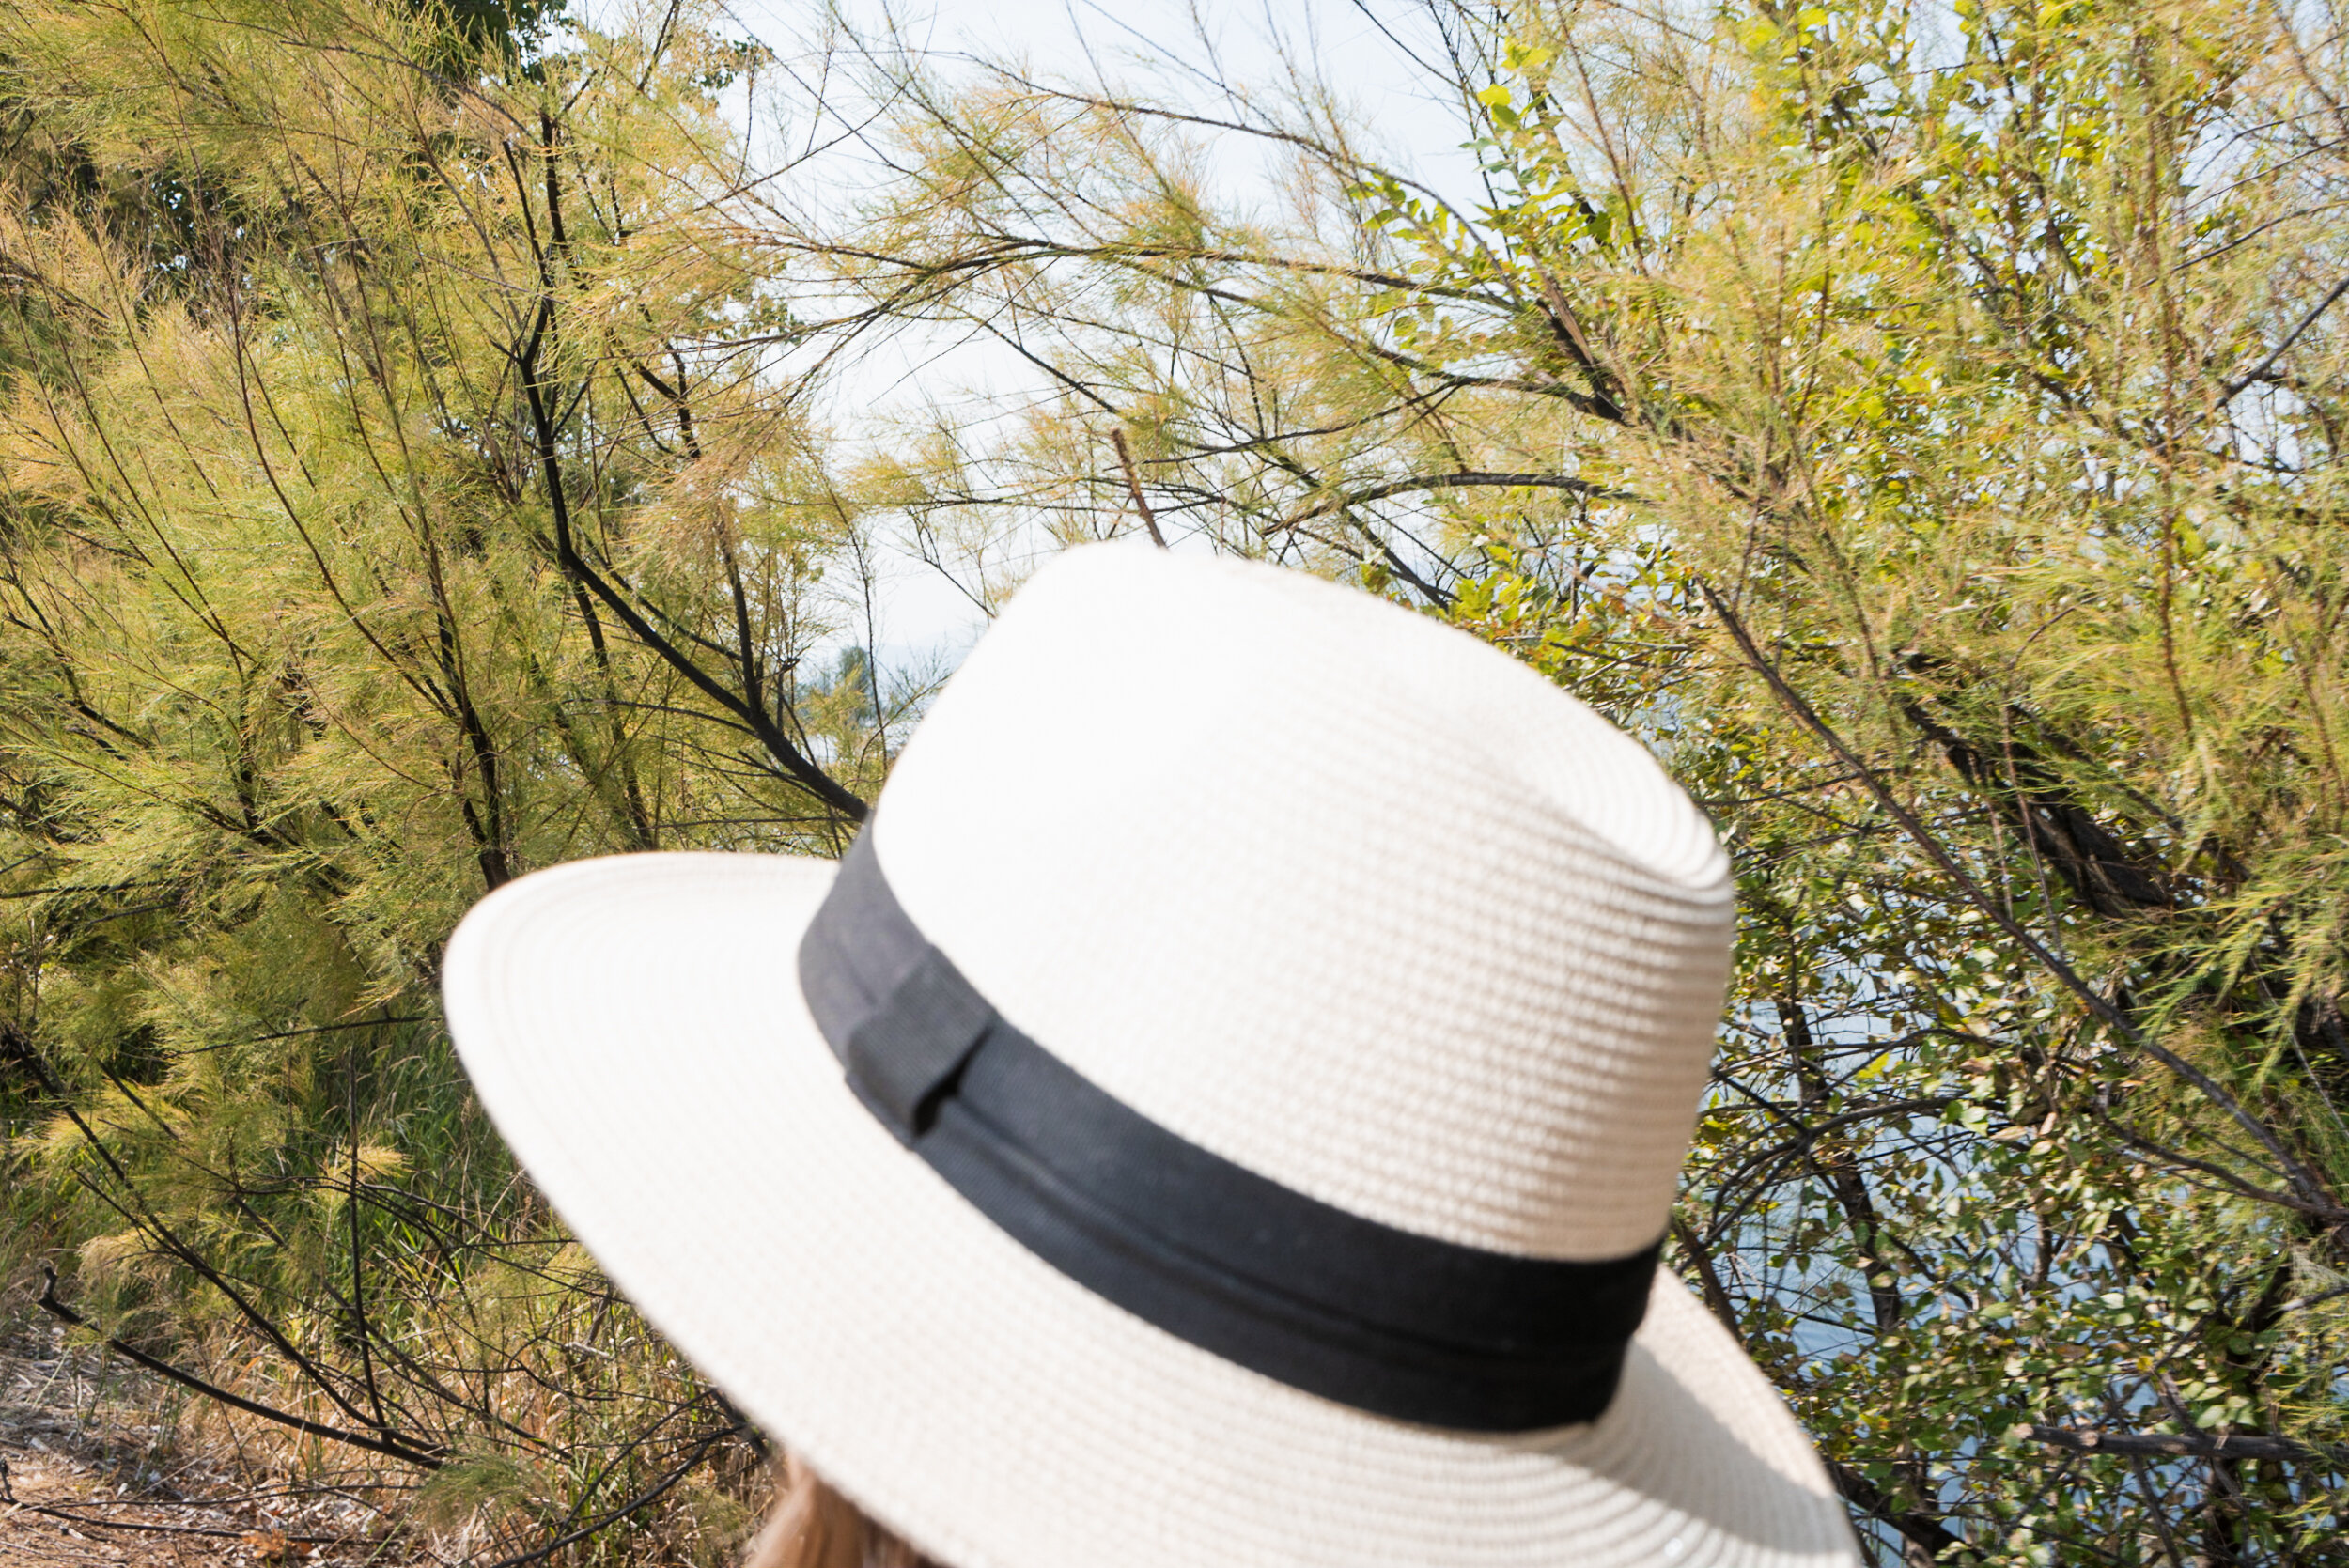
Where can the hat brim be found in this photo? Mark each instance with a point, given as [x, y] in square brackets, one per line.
[634, 1026]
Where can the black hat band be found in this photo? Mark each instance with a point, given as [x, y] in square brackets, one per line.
[1381, 1319]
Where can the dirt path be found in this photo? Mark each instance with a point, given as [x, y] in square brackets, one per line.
[88, 1474]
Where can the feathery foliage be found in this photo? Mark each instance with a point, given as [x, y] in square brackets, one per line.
[394, 497]
[1920, 424]
[1924, 427]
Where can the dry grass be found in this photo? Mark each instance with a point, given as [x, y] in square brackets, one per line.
[97, 1469]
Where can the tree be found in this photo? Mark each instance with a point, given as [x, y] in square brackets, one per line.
[1920, 426]
[395, 496]
[1927, 438]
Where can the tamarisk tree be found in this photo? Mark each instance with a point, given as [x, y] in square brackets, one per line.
[1920, 424]
[395, 496]
[1923, 426]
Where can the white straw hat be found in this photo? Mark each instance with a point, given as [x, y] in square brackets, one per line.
[1277, 1021]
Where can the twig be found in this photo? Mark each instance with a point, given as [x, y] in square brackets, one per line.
[16, 1044]
[2196, 1445]
[2311, 1190]
[641, 1500]
[1463, 479]
[390, 1449]
[17, 1505]
[2219, 1173]
[2227, 393]
[1133, 487]
[1924, 1532]
[1708, 1278]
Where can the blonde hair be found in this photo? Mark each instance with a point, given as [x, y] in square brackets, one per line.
[811, 1525]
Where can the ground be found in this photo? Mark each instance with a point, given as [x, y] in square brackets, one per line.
[89, 1473]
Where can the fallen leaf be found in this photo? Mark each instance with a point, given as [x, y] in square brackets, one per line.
[270, 1545]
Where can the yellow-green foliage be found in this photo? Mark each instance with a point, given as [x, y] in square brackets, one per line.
[1924, 425]
[396, 494]
[1921, 423]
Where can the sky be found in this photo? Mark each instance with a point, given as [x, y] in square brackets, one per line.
[1364, 48]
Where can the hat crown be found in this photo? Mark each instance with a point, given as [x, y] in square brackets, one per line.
[1330, 888]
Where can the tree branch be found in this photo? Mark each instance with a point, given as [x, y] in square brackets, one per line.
[1940, 1542]
[2195, 1445]
[389, 1448]
[1133, 487]
[2304, 1181]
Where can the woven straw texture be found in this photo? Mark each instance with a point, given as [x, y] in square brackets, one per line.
[1330, 889]
[1333, 890]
